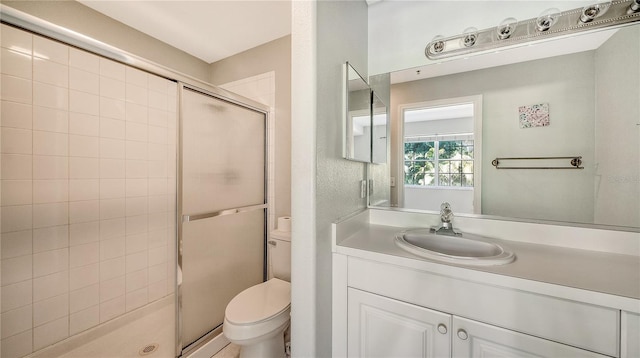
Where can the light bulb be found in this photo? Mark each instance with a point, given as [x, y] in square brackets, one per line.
[547, 19]
[435, 46]
[507, 27]
[634, 7]
[469, 37]
[593, 11]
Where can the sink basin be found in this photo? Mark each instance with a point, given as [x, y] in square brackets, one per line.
[467, 249]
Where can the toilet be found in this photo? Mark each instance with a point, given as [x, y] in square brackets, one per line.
[257, 317]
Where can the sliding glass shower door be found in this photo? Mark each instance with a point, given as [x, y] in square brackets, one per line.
[222, 211]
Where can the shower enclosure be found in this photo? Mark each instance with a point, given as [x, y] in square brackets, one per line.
[106, 161]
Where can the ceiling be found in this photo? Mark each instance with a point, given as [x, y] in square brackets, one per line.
[207, 29]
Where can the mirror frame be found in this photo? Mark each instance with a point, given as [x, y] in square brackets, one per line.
[348, 147]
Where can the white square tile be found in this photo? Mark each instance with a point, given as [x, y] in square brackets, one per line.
[157, 83]
[136, 94]
[50, 120]
[157, 186]
[50, 286]
[112, 288]
[50, 167]
[84, 298]
[136, 262]
[112, 128]
[157, 238]
[84, 146]
[15, 244]
[136, 112]
[16, 115]
[50, 72]
[50, 333]
[136, 187]
[158, 100]
[19, 345]
[84, 276]
[112, 268]
[112, 168]
[50, 309]
[84, 124]
[158, 273]
[50, 238]
[84, 60]
[137, 169]
[157, 290]
[16, 192]
[137, 299]
[16, 321]
[112, 188]
[136, 243]
[137, 280]
[83, 81]
[16, 295]
[112, 69]
[157, 221]
[112, 308]
[112, 228]
[137, 131]
[15, 63]
[158, 118]
[83, 320]
[16, 39]
[136, 77]
[112, 208]
[50, 50]
[157, 203]
[16, 269]
[112, 248]
[16, 218]
[84, 189]
[53, 214]
[157, 255]
[84, 211]
[16, 166]
[112, 88]
[84, 233]
[112, 148]
[137, 150]
[49, 262]
[157, 151]
[82, 102]
[50, 191]
[16, 89]
[84, 168]
[50, 96]
[112, 108]
[137, 206]
[157, 135]
[137, 224]
[83, 255]
[16, 141]
[48, 143]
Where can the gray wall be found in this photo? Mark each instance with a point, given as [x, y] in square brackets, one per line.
[559, 81]
[341, 37]
[82, 19]
[272, 56]
[617, 186]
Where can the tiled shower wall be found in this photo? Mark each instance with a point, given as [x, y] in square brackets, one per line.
[88, 190]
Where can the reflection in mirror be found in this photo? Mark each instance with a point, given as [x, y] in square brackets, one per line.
[576, 96]
[357, 124]
[379, 130]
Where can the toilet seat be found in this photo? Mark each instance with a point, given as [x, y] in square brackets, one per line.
[259, 303]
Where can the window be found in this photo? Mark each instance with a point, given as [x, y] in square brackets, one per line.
[438, 163]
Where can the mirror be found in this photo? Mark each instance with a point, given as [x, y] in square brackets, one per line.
[379, 130]
[357, 122]
[575, 96]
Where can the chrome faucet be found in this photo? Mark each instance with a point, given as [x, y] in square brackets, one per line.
[446, 216]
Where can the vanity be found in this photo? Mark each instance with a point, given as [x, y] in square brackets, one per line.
[575, 295]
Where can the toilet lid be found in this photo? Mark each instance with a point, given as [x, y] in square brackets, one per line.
[259, 302]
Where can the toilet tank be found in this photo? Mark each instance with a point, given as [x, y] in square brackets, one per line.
[280, 254]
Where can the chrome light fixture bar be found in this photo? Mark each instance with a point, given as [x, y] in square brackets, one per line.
[551, 23]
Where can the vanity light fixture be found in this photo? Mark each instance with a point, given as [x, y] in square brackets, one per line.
[551, 23]
[547, 19]
[593, 11]
[507, 27]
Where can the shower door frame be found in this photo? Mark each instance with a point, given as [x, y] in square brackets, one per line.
[231, 98]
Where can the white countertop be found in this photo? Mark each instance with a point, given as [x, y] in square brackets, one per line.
[590, 276]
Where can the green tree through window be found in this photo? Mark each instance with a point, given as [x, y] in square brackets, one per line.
[439, 163]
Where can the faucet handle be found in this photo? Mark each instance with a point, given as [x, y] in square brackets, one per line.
[446, 214]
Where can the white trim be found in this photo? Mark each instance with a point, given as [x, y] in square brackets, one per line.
[477, 138]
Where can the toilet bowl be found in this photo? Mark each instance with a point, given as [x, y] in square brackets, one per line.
[257, 317]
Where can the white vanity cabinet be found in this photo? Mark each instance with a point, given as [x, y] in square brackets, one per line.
[630, 347]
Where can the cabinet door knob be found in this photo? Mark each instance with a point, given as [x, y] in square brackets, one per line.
[462, 334]
[442, 328]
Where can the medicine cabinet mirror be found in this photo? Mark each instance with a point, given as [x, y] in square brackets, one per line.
[357, 122]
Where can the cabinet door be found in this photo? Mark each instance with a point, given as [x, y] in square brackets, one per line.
[630, 334]
[383, 327]
[475, 339]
